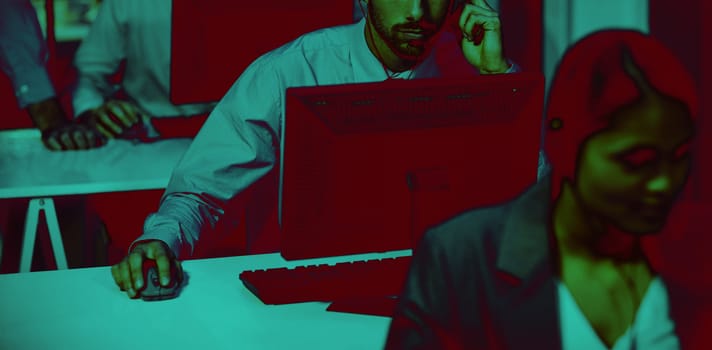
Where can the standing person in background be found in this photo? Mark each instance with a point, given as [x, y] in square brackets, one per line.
[137, 34]
[123, 90]
[23, 58]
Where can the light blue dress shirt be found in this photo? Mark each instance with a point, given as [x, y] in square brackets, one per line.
[139, 33]
[237, 145]
[23, 52]
[652, 329]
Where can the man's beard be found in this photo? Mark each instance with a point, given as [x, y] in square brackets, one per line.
[409, 50]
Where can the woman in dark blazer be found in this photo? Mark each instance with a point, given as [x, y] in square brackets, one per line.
[563, 266]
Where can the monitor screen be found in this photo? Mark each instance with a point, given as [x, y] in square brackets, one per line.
[369, 167]
[212, 42]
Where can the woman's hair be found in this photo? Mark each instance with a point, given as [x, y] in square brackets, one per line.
[599, 75]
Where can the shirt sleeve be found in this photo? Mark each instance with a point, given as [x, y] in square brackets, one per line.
[23, 52]
[513, 67]
[422, 319]
[236, 146]
[100, 55]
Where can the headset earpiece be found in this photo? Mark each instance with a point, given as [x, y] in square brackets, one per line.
[454, 4]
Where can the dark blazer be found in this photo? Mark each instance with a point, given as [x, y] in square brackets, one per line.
[484, 280]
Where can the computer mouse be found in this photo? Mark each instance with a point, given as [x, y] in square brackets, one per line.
[152, 289]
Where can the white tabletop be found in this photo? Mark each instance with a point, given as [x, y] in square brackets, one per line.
[28, 169]
[83, 309]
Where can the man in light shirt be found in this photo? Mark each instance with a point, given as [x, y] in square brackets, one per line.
[232, 160]
[136, 33]
[23, 58]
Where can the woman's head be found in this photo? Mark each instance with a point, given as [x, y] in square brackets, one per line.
[620, 118]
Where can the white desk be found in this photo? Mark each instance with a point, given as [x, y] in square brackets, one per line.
[29, 170]
[83, 309]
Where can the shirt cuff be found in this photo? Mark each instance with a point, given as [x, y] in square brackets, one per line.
[513, 67]
[32, 86]
[85, 99]
[162, 229]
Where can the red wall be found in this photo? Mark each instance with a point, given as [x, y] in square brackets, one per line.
[685, 28]
[522, 28]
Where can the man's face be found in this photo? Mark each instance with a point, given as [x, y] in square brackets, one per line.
[630, 173]
[408, 25]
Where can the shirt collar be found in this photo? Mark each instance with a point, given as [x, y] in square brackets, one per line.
[525, 243]
[365, 65]
[526, 251]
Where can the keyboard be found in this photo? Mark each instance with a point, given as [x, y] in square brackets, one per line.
[342, 281]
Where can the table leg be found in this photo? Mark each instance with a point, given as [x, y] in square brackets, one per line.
[54, 234]
[31, 222]
[28, 243]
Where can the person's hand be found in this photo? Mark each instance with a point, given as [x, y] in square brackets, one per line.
[58, 133]
[128, 274]
[112, 118]
[72, 136]
[482, 37]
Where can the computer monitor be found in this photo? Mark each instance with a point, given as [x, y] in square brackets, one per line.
[369, 167]
[212, 42]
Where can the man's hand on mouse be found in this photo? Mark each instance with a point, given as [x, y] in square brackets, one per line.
[128, 274]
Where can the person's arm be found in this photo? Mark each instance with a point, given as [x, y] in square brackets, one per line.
[236, 146]
[97, 59]
[424, 317]
[99, 56]
[23, 55]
